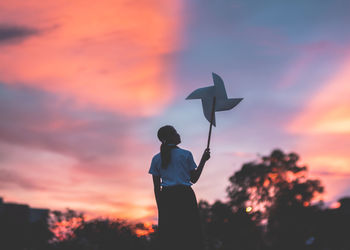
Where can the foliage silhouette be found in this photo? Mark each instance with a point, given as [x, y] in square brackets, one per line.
[62, 224]
[272, 183]
[332, 227]
[269, 207]
[103, 234]
[225, 229]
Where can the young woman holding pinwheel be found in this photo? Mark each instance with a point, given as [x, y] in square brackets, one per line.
[174, 171]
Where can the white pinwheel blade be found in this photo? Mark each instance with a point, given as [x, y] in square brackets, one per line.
[220, 91]
[206, 92]
[228, 104]
[207, 95]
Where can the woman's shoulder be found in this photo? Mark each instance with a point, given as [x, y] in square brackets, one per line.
[156, 157]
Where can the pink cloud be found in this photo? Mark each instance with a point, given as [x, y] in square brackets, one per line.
[324, 129]
[329, 110]
[57, 156]
[50, 182]
[108, 54]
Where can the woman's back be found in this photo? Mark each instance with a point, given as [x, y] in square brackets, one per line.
[177, 171]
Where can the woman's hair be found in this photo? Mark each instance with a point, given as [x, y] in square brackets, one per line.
[164, 134]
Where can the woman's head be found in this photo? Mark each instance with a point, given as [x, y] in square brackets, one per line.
[169, 138]
[168, 135]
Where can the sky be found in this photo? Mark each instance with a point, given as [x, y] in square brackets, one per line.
[85, 85]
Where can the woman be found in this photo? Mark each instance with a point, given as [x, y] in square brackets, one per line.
[174, 171]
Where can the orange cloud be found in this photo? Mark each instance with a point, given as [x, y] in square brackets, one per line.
[110, 54]
[51, 180]
[324, 129]
[329, 110]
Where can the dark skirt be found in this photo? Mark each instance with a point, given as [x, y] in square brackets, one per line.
[179, 221]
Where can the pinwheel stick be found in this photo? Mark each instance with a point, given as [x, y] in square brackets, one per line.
[211, 121]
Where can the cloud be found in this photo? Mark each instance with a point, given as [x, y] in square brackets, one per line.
[328, 111]
[329, 173]
[54, 154]
[34, 118]
[112, 55]
[51, 192]
[323, 129]
[14, 34]
[102, 204]
[71, 101]
[11, 177]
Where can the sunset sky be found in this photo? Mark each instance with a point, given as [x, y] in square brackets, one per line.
[85, 85]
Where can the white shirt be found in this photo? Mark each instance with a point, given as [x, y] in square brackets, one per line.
[177, 171]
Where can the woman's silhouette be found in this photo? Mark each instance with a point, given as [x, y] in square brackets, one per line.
[174, 171]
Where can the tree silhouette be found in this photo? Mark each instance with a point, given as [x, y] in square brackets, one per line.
[106, 234]
[276, 191]
[225, 229]
[271, 183]
[72, 231]
[333, 227]
[63, 224]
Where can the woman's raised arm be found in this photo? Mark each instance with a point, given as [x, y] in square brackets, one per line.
[195, 174]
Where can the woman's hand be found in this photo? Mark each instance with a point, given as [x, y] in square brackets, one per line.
[206, 155]
[195, 174]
